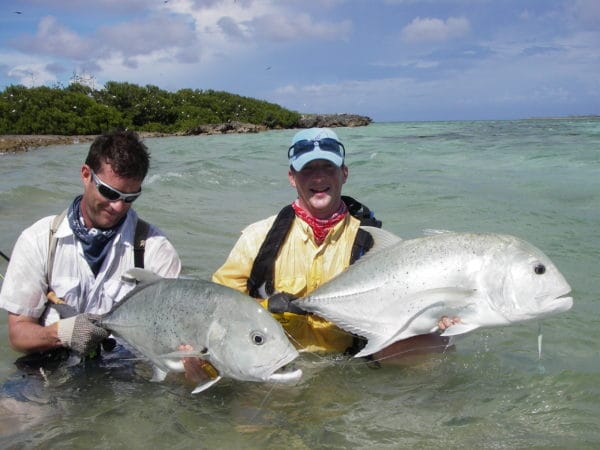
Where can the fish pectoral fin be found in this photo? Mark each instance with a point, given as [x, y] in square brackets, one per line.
[175, 365]
[374, 344]
[204, 386]
[459, 328]
[158, 374]
[183, 354]
[451, 296]
[423, 320]
[138, 276]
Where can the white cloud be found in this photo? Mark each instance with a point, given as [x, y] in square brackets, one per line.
[32, 75]
[231, 28]
[302, 26]
[52, 38]
[435, 30]
[416, 63]
[145, 37]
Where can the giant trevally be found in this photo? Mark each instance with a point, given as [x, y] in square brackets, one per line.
[403, 289]
[230, 330]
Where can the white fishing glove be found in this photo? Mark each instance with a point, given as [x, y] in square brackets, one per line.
[80, 334]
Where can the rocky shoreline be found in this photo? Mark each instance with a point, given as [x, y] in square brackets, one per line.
[12, 143]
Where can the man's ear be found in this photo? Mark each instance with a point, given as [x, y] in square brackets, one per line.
[292, 178]
[345, 172]
[86, 173]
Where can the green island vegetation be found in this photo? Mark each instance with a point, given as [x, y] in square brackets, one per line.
[80, 110]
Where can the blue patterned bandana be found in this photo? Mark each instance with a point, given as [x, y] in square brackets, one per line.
[95, 241]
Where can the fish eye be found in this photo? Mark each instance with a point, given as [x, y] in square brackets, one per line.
[257, 338]
[540, 269]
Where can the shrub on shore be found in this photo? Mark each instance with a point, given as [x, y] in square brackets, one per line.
[81, 110]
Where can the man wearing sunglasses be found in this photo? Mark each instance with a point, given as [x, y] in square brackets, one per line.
[311, 241]
[93, 247]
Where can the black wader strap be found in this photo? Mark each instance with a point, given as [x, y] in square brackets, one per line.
[264, 263]
[361, 212]
[363, 242]
[139, 242]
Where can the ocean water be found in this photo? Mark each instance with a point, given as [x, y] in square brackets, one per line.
[536, 179]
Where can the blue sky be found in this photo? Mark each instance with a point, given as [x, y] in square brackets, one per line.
[392, 60]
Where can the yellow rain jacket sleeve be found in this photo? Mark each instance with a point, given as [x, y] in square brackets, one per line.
[301, 267]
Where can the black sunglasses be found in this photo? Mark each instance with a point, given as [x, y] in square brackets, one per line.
[325, 144]
[112, 194]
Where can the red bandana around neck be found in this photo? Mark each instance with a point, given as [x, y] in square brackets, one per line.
[320, 227]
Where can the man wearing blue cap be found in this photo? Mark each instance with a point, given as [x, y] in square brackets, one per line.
[308, 243]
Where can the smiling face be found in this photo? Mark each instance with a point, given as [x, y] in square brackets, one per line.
[98, 211]
[319, 186]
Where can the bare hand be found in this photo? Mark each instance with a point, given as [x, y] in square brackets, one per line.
[193, 366]
[446, 322]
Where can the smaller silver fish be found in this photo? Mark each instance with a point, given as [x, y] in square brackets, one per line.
[230, 330]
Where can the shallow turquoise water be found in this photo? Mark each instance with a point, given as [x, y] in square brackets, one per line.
[537, 179]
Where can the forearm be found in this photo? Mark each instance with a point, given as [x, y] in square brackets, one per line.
[26, 335]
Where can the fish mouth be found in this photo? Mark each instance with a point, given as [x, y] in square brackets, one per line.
[565, 301]
[558, 303]
[285, 374]
[564, 298]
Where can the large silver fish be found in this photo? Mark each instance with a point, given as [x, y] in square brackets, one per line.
[230, 330]
[403, 289]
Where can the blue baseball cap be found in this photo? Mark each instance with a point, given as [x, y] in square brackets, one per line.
[315, 143]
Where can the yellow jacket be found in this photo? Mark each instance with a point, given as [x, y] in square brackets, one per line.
[300, 268]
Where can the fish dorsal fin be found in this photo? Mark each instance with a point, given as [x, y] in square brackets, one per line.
[381, 239]
[140, 276]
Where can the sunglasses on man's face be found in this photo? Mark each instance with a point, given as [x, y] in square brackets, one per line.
[325, 144]
[112, 194]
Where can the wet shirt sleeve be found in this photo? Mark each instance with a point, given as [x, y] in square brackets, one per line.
[236, 270]
[24, 286]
